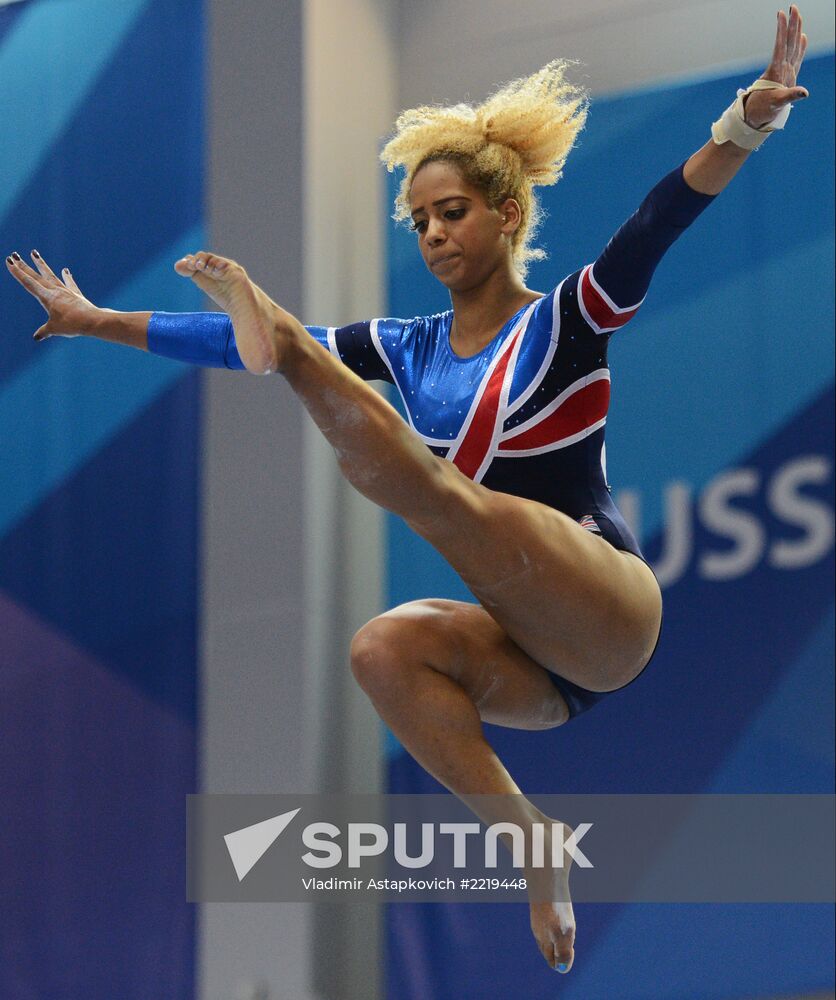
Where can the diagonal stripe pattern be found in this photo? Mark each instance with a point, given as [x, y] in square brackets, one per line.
[40, 55]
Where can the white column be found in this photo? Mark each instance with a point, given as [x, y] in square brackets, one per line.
[252, 733]
[349, 68]
[300, 95]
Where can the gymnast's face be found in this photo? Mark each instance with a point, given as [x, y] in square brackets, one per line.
[463, 240]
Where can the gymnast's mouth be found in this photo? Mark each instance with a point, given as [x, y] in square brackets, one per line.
[444, 260]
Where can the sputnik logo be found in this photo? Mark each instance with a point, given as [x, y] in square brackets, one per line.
[248, 845]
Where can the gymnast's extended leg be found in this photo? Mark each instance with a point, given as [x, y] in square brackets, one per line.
[566, 597]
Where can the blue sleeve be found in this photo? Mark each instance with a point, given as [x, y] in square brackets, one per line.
[203, 338]
[612, 288]
[208, 339]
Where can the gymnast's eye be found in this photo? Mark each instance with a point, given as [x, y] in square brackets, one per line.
[454, 213]
[419, 226]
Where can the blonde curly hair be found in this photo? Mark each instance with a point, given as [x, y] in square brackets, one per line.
[517, 139]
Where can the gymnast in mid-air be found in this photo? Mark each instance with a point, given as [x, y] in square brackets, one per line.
[500, 464]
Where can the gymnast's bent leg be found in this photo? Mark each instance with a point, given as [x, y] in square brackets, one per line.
[434, 671]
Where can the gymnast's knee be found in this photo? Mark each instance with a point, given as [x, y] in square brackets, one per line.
[378, 649]
[387, 648]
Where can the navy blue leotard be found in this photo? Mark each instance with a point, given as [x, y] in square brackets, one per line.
[527, 414]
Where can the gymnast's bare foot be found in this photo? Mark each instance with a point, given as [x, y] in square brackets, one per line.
[552, 918]
[255, 316]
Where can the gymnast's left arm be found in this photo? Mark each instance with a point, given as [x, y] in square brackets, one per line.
[757, 112]
[611, 289]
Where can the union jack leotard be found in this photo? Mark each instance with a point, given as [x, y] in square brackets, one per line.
[527, 414]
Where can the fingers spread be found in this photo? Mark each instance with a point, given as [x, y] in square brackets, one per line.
[69, 280]
[787, 95]
[43, 267]
[780, 51]
[799, 43]
[802, 49]
[794, 34]
[22, 267]
[26, 276]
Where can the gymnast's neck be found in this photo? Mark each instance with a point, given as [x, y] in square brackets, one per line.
[480, 311]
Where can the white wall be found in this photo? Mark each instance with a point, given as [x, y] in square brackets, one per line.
[462, 49]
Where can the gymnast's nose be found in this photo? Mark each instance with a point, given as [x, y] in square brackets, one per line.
[436, 233]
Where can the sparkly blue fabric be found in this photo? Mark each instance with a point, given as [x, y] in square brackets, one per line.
[204, 338]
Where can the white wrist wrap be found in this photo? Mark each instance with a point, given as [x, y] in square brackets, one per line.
[732, 127]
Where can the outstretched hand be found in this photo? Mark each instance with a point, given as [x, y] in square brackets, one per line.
[763, 106]
[69, 313]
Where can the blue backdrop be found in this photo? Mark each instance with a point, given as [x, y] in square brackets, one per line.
[720, 451]
[101, 164]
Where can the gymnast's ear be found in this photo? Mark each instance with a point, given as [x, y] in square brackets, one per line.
[510, 215]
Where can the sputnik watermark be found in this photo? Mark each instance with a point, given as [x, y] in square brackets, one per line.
[613, 848]
[369, 840]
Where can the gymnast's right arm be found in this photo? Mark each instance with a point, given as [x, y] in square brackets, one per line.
[69, 312]
[202, 338]
[208, 339]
